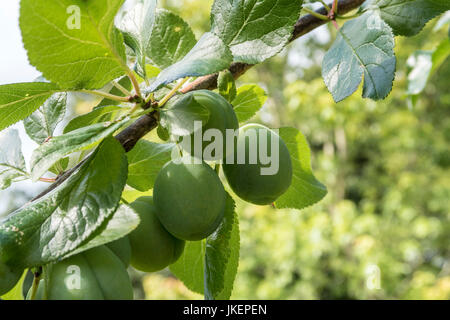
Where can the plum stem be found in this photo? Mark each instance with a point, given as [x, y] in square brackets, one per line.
[121, 88]
[172, 92]
[36, 280]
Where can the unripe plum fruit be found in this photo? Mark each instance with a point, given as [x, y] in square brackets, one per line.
[40, 293]
[122, 249]
[96, 274]
[221, 117]
[8, 277]
[189, 199]
[152, 247]
[247, 180]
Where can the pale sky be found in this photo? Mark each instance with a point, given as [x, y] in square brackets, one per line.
[14, 67]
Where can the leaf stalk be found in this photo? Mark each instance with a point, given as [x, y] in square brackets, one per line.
[135, 83]
[121, 88]
[172, 92]
[316, 14]
[106, 95]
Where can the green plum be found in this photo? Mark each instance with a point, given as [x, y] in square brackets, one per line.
[189, 199]
[122, 249]
[221, 117]
[8, 277]
[96, 274]
[152, 247]
[40, 293]
[249, 180]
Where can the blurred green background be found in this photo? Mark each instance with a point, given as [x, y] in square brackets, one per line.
[383, 230]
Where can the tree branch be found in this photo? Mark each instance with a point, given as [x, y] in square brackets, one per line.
[133, 133]
[303, 26]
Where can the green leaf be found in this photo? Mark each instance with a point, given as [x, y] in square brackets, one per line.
[16, 293]
[130, 194]
[124, 220]
[440, 54]
[171, 39]
[222, 256]
[364, 45]
[232, 265]
[408, 17]
[189, 268]
[226, 85]
[254, 30]
[58, 147]
[145, 160]
[424, 64]
[124, 82]
[152, 71]
[41, 124]
[249, 99]
[136, 27]
[180, 114]
[209, 266]
[99, 114]
[56, 224]
[74, 42]
[19, 100]
[12, 163]
[163, 134]
[60, 166]
[305, 189]
[209, 55]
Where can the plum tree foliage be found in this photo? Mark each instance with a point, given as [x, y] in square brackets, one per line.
[79, 236]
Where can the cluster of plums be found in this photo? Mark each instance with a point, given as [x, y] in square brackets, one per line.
[188, 204]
